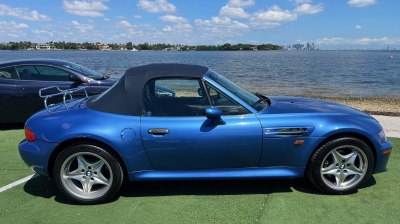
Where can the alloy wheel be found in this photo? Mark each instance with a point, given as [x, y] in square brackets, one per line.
[344, 167]
[86, 175]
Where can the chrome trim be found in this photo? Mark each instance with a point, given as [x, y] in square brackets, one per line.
[61, 92]
[280, 132]
[286, 133]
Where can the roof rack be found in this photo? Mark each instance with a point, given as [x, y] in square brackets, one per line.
[64, 93]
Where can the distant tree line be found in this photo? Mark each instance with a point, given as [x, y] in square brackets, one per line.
[23, 45]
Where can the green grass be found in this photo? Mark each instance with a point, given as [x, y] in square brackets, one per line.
[233, 201]
[12, 168]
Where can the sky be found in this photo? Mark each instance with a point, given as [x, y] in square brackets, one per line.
[330, 24]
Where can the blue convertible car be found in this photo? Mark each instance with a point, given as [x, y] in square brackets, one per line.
[210, 129]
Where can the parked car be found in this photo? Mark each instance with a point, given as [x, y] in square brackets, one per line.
[21, 80]
[210, 129]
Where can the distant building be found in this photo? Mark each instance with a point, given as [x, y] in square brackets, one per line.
[44, 46]
[253, 48]
[146, 43]
[122, 47]
[302, 47]
[103, 47]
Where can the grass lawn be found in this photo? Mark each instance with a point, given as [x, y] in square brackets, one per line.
[233, 201]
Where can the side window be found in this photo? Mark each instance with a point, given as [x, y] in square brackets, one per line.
[27, 72]
[8, 73]
[224, 103]
[52, 74]
[42, 73]
[174, 98]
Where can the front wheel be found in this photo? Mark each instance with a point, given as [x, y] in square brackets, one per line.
[87, 173]
[341, 166]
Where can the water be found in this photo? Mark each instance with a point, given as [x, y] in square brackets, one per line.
[319, 73]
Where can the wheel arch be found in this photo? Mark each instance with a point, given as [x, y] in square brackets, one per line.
[346, 134]
[68, 142]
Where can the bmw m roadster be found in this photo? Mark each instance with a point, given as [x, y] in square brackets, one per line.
[210, 128]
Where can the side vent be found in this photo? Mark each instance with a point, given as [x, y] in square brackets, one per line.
[287, 131]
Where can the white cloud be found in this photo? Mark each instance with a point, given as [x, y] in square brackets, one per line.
[42, 33]
[361, 3]
[252, 41]
[86, 13]
[232, 12]
[241, 3]
[79, 26]
[167, 28]
[120, 17]
[137, 16]
[298, 2]
[221, 22]
[360, 41]
[272, 18]
[48, 26]
[179, 28]
[358, 27]
[107, 19]
[173, 19]
[12, 25]
[23, 13]
[156, 6]
[123, 25]
[89, 8]
[309, 9]
[12, 30]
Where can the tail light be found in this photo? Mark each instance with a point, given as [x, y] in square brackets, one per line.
[29, 134]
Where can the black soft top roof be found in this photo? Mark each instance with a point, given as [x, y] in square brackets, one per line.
[126, 96]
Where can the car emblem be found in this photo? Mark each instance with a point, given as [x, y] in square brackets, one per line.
[88, 173]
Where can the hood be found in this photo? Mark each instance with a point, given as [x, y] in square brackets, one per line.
[284, 105]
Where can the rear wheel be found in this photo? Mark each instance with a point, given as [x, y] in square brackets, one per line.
[341, 165]
[87, 173]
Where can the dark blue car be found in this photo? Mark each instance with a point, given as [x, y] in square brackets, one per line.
[210, 129]
[20, 82]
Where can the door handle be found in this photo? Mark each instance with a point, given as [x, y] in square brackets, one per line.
[158, 131]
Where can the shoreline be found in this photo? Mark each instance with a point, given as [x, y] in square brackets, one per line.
[372, 106]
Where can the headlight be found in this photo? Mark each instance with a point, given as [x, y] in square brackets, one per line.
[383, 136]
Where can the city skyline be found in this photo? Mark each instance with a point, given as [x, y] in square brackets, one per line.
[346, 24]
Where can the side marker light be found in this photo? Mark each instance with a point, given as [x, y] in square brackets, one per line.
[387, 151]
[299, 142]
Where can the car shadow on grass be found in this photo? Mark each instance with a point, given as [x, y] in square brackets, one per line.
[44, 187]
[12, 126]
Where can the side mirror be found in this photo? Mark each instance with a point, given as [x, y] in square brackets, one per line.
[215, 114]
[200, 92]
[75, 78]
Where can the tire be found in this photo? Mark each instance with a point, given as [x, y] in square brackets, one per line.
[341, 165]
[87, 172]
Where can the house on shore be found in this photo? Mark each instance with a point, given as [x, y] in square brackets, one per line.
[44, 46]
[104, 47]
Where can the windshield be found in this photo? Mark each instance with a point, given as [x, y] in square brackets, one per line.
[255, 101]
[84, 71]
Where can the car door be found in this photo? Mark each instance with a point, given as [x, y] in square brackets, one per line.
[35, 77]
[177, 136]
[12, 107]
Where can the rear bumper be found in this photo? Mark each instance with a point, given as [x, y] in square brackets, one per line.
[36, 155]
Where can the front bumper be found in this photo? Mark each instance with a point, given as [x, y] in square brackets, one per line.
[36, 155]
[381, 159]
